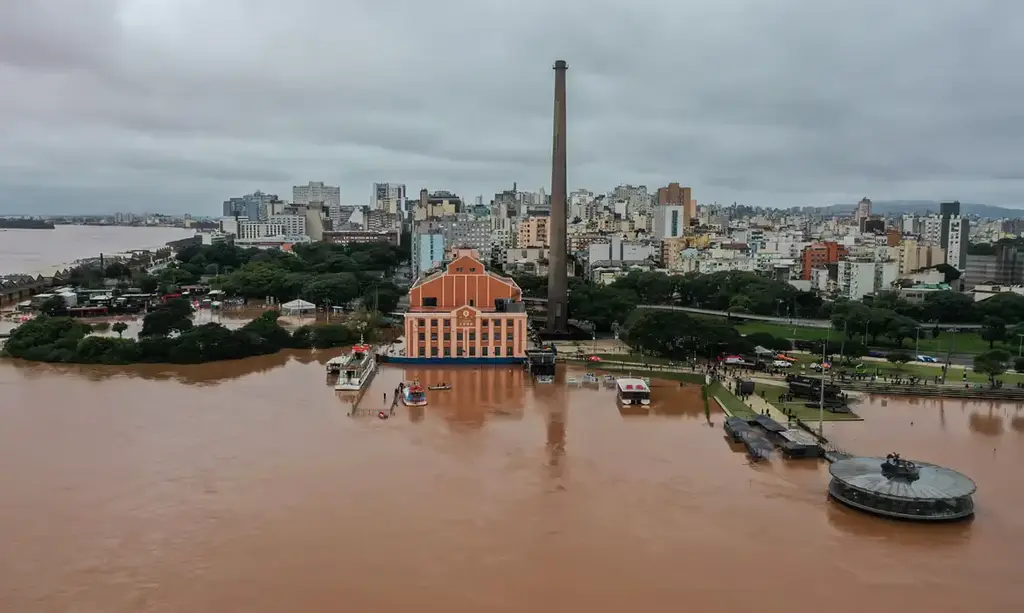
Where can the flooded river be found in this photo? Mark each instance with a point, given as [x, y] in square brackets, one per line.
[44, 251]
[246, 486]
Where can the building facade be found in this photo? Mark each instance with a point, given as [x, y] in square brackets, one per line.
[860, 278]
[533, 232]
[820, 254]
[466, 313]
[429, 252]
[670, 221]
[316, 191]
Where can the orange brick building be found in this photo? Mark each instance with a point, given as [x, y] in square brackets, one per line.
[465, 313]
[821, 254]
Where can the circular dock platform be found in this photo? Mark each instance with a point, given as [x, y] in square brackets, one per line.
[897, 488]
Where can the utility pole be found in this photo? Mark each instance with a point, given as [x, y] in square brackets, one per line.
[842, 344]
[821, 401]
[917, 343]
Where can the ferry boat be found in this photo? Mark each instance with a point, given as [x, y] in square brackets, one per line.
[413, 395]
[355, 369]
[633, 391]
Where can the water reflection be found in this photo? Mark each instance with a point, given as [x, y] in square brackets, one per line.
[213, 373]
[989, 424]
[259, 494]
[879, 529]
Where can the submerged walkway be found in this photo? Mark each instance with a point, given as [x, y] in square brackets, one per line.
[760, 405]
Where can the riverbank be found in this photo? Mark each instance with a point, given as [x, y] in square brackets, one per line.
[24, 253]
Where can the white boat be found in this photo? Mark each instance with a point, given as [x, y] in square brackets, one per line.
[355, 369]
[545, 379]
[413, 395]
[633, 391]
[572, 381]
[590, 379]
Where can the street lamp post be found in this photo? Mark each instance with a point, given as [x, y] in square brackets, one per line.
[821, 401]
[917, 343]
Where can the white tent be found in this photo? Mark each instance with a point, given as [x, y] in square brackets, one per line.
[297, 306]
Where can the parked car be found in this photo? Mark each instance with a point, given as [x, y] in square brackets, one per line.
[782, 364]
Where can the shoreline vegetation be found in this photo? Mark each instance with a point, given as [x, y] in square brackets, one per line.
[168, 337]
[20, 223]
[351, 277]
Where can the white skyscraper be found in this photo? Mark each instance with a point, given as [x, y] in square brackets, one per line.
[316, 191]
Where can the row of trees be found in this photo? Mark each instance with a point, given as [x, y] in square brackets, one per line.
[709, 338]
[733, 291]
[885, 316]
[169, 336]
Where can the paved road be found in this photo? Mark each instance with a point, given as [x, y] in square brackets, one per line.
[788, 321]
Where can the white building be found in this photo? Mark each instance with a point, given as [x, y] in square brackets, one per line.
[669, 221]
[390, 198]
[860, 278]
[620, 251]
[956, 242]
[292, 225]
[316, 191]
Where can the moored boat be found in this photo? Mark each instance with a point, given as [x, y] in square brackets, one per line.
[633, 391]
[413, 395]
[439, 388]
[355, 369]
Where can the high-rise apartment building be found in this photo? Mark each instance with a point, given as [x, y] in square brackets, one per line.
[680, 196]
[390, 198]
[820, 254]
[669, 221]
[252, 206]
[862, 212]
[534, 232]
[954, 234]
[316, 191]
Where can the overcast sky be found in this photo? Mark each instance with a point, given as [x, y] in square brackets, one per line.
[176, 105]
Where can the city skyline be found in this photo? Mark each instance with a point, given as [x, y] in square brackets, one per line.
[772, 105]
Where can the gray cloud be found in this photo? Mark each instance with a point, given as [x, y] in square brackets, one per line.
[178, 104]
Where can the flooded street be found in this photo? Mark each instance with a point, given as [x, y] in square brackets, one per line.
[245, 486]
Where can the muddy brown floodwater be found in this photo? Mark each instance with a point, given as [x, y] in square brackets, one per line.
[245, 486]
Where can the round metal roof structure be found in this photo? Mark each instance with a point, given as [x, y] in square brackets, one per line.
[898, 488]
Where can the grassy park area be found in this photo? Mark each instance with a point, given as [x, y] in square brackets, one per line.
[798, 407]
[959, 342]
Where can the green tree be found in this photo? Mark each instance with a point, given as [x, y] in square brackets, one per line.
[147, 283]
[993, 329]
[992, 363]
[54, 305]
[770, 342]
[899, 358]
[117, 270]
[949, 307]
[120, 327]
[1018, 364]
[1007, 306]
[601, 304]
[899, 327]
[172, 316]
[336, 289]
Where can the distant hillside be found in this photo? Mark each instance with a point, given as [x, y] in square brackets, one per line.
[898, 207]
